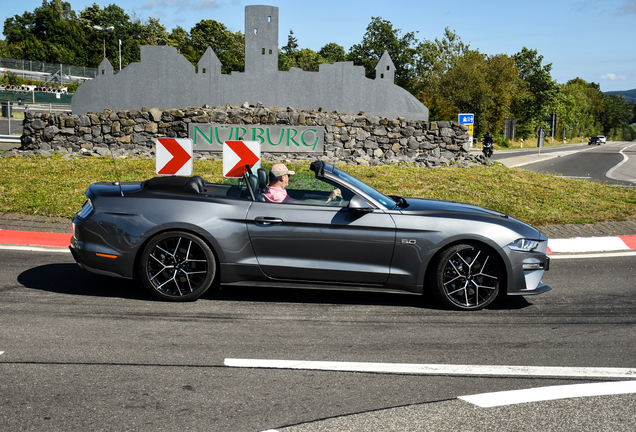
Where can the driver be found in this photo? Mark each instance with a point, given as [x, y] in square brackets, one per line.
[278, 181]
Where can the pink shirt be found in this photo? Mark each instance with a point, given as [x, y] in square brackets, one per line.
[279, 195]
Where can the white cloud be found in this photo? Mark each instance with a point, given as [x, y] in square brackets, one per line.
[151, 4]
[611, 76]
[205, 5]
[628, 8]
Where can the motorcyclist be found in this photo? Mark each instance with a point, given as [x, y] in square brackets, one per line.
[488, 145]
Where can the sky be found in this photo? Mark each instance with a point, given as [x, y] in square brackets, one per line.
[590, 39]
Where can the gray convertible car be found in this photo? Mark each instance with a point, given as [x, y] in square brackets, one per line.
[181, 235]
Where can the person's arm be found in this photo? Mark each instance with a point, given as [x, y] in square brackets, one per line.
[336, 193]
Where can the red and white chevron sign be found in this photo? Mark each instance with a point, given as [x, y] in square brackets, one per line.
[174, 156]
[237, 155]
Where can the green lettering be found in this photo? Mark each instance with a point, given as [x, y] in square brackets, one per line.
[291, 138]
[216, 134]
[196, 129]
[280, 139]
[259, 136]
[244, 131]
[302, 138]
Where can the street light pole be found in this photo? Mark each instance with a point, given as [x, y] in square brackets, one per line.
[104, 30]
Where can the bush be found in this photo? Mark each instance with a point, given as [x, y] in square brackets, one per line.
[10, 78]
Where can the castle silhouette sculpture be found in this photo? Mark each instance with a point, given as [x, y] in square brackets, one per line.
[165, 79]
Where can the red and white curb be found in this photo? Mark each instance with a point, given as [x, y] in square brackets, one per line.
[592, 244]
[31, 238]
[571, 245]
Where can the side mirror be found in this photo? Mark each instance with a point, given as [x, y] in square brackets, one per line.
[359, 204]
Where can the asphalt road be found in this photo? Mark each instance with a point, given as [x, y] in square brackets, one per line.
[612, 163]
[88, 352]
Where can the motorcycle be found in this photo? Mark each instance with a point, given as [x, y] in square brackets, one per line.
[488, 148]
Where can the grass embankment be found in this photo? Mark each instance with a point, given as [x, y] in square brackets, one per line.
[532, 143]
[55, 187]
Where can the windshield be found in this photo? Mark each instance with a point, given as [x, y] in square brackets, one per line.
[365, 188]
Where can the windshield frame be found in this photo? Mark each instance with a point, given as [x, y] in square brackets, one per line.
[377, 196]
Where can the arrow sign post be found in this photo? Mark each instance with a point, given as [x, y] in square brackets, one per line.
[174, 156]
[239, 154]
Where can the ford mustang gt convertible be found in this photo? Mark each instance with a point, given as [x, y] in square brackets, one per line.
[182, 235]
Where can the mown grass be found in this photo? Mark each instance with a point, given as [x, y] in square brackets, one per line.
[56, 186]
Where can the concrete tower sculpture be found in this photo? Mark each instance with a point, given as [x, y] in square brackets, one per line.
[164, 79]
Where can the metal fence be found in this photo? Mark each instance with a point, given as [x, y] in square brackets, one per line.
[29, 68]
[11, 115]
[35, 97]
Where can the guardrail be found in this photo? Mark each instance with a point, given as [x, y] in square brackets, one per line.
[10, 139]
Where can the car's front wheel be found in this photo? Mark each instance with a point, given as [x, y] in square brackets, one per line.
[177, 266]
[467, 277]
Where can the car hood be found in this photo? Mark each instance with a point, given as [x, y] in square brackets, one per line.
[428, 206]
[446, 209]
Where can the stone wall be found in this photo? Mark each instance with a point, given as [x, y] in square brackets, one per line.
[353, 139]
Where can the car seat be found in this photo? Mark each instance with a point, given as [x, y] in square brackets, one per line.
[196, 183]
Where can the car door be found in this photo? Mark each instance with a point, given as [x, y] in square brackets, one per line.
[321, 243]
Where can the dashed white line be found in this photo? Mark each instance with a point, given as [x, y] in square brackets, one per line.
[437, 369]
[537, 394]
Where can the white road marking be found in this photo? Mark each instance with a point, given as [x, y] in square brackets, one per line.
[537, 394]
[594, 255]
[437, 369]
[587, 244]
[1, 352]
[610, 172]
[35, 248]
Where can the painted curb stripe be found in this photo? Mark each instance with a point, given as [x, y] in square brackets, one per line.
[31, 238]
[591, 244]
[537, 394]
[35, 248]
[630, 241]
[436, 369]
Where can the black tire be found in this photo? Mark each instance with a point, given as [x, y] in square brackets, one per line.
[177, 266]
[467, 277]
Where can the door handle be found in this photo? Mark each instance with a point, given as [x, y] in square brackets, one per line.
[264, 220]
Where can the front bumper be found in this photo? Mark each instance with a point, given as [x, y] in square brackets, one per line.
[527, 271]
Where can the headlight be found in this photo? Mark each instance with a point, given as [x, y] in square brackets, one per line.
[86, 210]
[524, 245]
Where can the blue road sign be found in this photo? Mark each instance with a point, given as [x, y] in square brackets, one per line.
[467, 119]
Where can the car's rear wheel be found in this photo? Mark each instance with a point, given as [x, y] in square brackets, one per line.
[177, 266]
[467, 277]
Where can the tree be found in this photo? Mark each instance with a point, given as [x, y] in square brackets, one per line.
[228, 46]
[381, 36]
[579, 104]
[292, 44]
[537, 94]
[332, 52]
[466, 87]
[291, 56]
[304, 59]
[180, 39]
[435, 58]
[618, 112]
[154, 33]
[503, 82]
[130, 32]
[51, 33]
